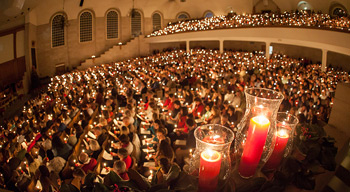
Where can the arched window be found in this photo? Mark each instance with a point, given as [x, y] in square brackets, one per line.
[182, 16]
[339, 12]
[85, 26]
[57, 30]
[135, 23]
[112, 24]
[304, 5]
[208, 14]
[157, 21]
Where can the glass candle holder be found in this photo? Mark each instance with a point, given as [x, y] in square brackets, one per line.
[285, 127]
[211, 159]
[255, 134]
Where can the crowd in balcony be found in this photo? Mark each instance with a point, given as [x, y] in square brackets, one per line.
[297, 19]
[118, 126]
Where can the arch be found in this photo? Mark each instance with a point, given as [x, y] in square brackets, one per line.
[136, 23]
[337, 9]
[182, 16]
[86, 20]
[112, 24]
[304, 5]
[208, 14]
[157, 21]
[58, 29]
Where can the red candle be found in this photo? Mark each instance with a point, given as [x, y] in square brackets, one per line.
[278, 151]
[209, 169]
[254, 145]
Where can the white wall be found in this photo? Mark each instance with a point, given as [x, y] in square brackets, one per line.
[6, 48]
[20, 44]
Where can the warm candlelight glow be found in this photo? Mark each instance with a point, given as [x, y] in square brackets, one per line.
[211, 155]
[210, 164]
[254, 145]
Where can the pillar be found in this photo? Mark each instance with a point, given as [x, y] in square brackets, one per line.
[221, 46]
[267, 50]
[324, 60]
[188, 46]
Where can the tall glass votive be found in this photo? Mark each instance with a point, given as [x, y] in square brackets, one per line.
[255, 134]
[285, 127]
[211, 159]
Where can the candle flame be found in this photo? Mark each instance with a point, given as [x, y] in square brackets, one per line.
[261, 120]
[283, 133]
[211, 155]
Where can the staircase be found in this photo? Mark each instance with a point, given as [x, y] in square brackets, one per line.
[133, 48]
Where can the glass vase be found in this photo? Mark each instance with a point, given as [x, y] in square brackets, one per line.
[255, 134]
[283, 137]
[210, 160]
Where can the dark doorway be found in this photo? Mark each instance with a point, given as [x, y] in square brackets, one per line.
[33, 57]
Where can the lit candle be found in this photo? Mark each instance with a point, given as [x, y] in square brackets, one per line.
[278, 151]
[254, 145]
[209, 169]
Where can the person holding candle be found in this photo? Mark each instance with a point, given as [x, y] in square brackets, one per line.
[181, 130]
[174, 117]
[180, 153]
[86, 163]
[60, 148]
[100, 135]
[215, 116]
[199, 107]
[125, 157]
[120, 168]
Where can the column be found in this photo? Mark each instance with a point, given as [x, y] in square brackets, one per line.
[324, 60]
[267, 50]
[221, 46]
[188, 46]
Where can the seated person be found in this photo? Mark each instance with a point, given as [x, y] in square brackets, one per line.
[120, 168]
[181, 129]
[125, 157]
[175, 113]
[79, 176]
[95, 148]
[86, 163]
[181, 154]
[165, 150]
[198, 108]
[167, 173]
[156, 125]
[126, 144]
[161, 135]
[100, 136]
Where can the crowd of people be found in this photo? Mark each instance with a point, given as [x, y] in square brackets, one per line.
[117, 126]
[299, 19]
